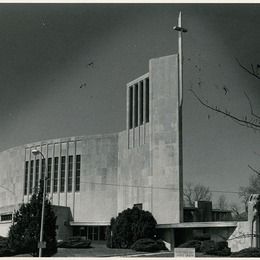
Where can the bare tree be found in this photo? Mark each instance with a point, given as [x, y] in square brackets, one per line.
[222, 202]
[236, 212]
[194, 193]
[252, 188]
[251, 121]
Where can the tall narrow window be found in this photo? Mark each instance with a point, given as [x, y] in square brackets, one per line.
[136, 105]
[43, 169]
[36, 174]
[130, 107]
[48, 186]
[26, 177]
[62, 173]
[31, 178]
[70, 168]
[147, 100]
[77, 182]
[55, 177]
[141, 103]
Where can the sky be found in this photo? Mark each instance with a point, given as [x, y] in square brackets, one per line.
[64, 69]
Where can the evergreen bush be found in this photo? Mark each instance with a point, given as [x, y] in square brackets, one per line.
[192, 244]
[129, 226]
[207, 245]
[24, 234]
[75, 243]
[247, 252]
[148, 245]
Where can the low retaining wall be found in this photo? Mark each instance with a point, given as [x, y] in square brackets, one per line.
[241, 237]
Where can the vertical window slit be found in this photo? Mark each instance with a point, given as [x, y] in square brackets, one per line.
[48, 188]
[26, 177]
[70, 168]
[130, 107]
[136, 105]
[31, 178]
[36, 174]
[147, 101]
[55, 177]
[141, 102]
[77, 182]
[62, 174]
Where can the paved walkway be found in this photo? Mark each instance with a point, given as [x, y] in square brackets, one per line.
[98, 249]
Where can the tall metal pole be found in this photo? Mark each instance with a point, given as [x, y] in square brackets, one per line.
[180, 30]
[180, 56]
[43, 209]
[40, 245]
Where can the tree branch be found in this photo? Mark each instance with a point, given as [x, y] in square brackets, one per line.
[244, 122]
[249, 126]
[253, 169]
[251, 72]
[251, 107]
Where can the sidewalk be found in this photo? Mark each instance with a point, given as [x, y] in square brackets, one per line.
[98, 249]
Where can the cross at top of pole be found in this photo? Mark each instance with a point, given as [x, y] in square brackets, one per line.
[180, 30]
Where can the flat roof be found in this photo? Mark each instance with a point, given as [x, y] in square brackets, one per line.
[211, 224]
[94, 223]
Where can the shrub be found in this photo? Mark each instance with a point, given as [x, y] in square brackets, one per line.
[247, 252]
[130, 226]
[202, 237]
[221, 245]
[207, 246]
[75, 243]
[4, 249]
[192, 244]
[7, 252]
[148, 245]
[215, 248]
[161, 244]
[224, 252]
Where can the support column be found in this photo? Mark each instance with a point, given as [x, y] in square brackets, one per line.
[127, 116]
[139, 109]
[28, 177]
[144, 106]
[40, 168]
[66, 174]
[52, 172]
[59, 176]
[73, 179]
[34, 171]
[133, 105]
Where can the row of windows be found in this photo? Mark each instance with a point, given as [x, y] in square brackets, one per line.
[56, 162]
[138, 111]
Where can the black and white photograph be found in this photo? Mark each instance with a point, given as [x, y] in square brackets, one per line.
[129, 129]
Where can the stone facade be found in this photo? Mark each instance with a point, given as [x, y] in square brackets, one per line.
[137, 166]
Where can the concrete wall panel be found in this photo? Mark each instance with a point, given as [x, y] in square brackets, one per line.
[164, 139]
